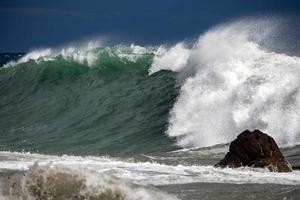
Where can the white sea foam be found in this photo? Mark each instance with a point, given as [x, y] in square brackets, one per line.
[66, 176]
[145, 173]
[233, 84]
[88, 53]
[174, 58]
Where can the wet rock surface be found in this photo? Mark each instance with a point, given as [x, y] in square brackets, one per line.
[255, 149]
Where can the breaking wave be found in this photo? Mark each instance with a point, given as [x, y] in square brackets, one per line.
[85, 100]
[121, 100]
[233, 81]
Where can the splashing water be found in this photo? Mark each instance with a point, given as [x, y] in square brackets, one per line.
[233, 83]
[230, 81]
[87, 54]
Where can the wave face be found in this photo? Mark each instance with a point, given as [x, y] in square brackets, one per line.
[85, 100]
[120, 100]
[138, 123]
[232, 81]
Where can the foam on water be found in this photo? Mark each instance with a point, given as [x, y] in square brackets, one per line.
[233, 83]
[230, 82]
[69, 177]
[31, 176]
[87, 53]
[145, 173]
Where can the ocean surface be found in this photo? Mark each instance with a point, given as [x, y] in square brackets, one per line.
[93, 121]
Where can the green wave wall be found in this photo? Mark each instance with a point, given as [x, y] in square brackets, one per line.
[61, 106]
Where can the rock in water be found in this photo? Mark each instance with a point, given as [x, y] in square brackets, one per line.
[255, 149]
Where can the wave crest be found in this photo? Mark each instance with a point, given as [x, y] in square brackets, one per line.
[89, 54]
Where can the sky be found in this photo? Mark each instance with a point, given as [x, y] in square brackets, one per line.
[29, 24]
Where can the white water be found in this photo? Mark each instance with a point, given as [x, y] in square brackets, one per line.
[88, 54]
[144, 173]
[99, 175]
[232, 84]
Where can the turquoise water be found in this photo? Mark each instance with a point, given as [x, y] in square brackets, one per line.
[64, 107]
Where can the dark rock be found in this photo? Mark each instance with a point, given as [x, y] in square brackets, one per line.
[296, 167]
[255, 149]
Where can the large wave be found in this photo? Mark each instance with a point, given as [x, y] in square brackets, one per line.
[96, 99]
[233, 81]
[85, 100]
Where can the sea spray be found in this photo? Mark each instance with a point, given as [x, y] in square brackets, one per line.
[87, 54]
[230, 80]
[234, 84]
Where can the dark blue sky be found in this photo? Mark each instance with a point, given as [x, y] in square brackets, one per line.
[27, 24]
